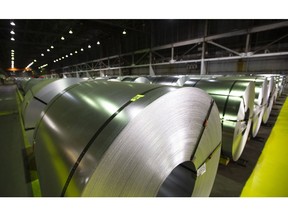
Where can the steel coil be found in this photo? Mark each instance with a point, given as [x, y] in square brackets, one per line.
[235, 100]
[168, 80]
[136, 79]
[33, 82]
[37, 98]
[271, 94]
[261, 99]
[101, 138]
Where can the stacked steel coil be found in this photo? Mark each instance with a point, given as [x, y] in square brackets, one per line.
[100, 138]
[235, 100]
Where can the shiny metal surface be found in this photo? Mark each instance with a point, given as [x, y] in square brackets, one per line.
[235, 101]
[168, 80]
[33, 82]
[136, 79]
[260, 102]
[37, 98]
[270, 98]
[126, 145]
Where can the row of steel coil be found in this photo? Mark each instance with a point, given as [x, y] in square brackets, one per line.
[141, 136]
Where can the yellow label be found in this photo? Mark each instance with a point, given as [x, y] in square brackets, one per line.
[135, 98]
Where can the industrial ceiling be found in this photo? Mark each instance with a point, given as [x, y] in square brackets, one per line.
[56, 43]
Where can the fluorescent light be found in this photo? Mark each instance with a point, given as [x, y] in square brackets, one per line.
[12, 32]
[29, 65]
[12, 39]
[52, 47]
[98, 42]
[66, 56]
[62, 38]
[43, 66]
[63, 57]
[89, 46]
[76, 51]
[12, 58]
[59, 59]
[54, 61]
[124, 32]
[82, 49]
[71, 54]
[12, 51]
[48, 50]
[42, 54]
[12, 23]
[70, 32]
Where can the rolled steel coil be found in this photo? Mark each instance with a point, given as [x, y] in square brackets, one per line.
[260, 101]
[37, 98]
[101, 138]
[235, 101]
[168, 80]
[33, 82]
[136, 79]
[271, 94]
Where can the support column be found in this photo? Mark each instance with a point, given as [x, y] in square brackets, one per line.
[203, 68]
[151, 71]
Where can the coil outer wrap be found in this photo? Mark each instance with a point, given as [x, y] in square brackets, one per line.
[129, 140]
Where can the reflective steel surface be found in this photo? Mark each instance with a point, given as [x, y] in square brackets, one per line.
[102, 138]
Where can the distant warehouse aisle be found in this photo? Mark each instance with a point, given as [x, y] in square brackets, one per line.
[270, 176]
[13, 181]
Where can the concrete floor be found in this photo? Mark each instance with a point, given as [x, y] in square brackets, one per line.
[14, 181]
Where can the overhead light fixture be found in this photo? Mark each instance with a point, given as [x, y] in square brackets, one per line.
[62, 38]
[54, 61]
[89, 46]
[52, 47]
[71, 54]
[12, 23]
[43, 66]
[82, 49]
[98, 42]
[63, 57]
[66, 56]
[29, 65]
[12, 32]
[35, 60]
[76, 52]
[12, 51]
[12, 39]
[124, 32]
[48, 50]
[42, 54]
[59, 59]
[70, 32]
[12, 58]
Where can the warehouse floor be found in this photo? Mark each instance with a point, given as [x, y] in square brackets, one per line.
[15, 180]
